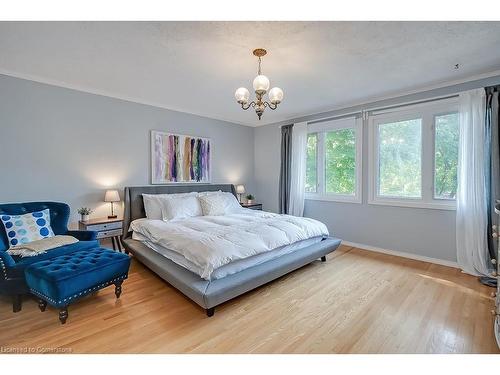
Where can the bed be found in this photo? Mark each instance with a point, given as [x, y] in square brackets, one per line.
[210, 291]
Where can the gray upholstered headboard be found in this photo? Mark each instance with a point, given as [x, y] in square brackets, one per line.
[134, 205]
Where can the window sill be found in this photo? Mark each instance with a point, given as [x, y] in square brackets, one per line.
[332, 198]
[447, 206]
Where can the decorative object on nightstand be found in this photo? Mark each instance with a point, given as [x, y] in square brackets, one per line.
[112, 196]
[250, 198]
[240, 189]
[84, 213]
[105, 228]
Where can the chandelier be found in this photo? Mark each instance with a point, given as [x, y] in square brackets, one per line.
[260, 85]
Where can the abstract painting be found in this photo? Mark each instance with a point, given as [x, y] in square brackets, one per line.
[179, 158]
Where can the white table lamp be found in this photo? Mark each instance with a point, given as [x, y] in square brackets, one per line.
[240, 189]
[112, 196]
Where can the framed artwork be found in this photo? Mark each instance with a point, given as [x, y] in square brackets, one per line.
[179, 158]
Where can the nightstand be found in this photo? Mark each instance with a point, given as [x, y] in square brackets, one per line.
[252, 206]
[105, 228]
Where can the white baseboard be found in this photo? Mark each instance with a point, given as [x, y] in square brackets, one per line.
[402, 254]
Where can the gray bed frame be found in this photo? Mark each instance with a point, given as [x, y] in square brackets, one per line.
[209, 294]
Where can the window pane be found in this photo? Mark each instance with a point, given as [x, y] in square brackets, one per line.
[400, 145]
[311, 163]
[446, 156]
[340, 161]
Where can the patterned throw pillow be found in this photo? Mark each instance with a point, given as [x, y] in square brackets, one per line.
[33, 226]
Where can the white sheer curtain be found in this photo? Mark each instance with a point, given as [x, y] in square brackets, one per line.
[298, 169]
[472, 204]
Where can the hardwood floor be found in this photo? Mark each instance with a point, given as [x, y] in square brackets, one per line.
[356, 302]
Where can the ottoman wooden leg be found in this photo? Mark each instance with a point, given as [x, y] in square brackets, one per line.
[63, 314]
[118, 288]
[323, 259]
[17, 302]
[42, 305]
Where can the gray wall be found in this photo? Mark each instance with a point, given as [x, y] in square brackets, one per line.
[425, 232]
[65, 145]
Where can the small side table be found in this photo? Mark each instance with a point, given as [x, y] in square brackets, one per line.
[105, 228]
[252, 206]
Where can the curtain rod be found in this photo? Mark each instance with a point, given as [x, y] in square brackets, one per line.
[360, 112]
[349, 114]
[436, 99]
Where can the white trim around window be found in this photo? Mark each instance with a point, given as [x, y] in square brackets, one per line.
[320, 129]
[427, 113]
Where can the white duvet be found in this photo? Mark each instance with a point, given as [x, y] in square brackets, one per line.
[211, 242]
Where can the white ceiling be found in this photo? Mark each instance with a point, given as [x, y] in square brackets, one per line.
[195, 67]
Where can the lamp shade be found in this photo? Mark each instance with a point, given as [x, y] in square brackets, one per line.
[111, 196]
[242, 95]
[276, 95]
[240, 189]
[261, 83]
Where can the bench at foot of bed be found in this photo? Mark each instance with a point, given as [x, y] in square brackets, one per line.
[62, 280]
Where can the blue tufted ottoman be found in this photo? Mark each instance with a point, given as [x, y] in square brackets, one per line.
[61, 280]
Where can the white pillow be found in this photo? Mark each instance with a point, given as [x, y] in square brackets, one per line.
[218, 204]
[153, 203]
[180, 208]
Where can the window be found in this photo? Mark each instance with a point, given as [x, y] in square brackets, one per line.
[400, 162]
[340, 161]
[333, 169]
[414, 156]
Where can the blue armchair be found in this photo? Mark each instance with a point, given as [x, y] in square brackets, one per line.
[12, 280]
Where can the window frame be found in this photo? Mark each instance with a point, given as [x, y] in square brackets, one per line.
[427, 112]
[320, 129]
[434, 156]
[317, 158]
